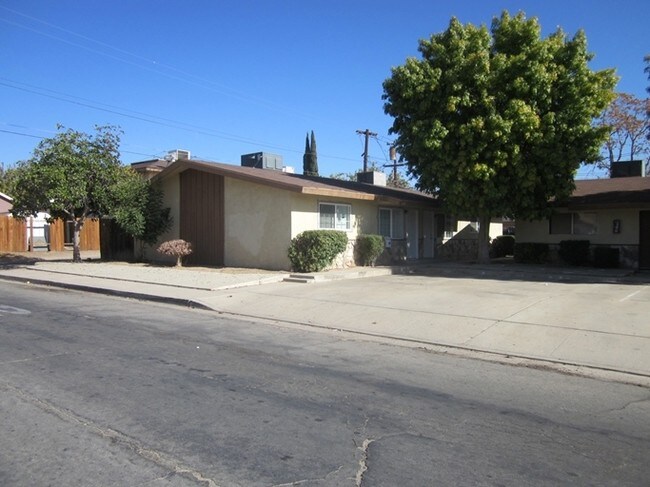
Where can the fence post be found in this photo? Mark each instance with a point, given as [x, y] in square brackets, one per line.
[30, 243]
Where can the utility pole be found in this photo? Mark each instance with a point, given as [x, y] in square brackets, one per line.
[394, 164]
[368, 134]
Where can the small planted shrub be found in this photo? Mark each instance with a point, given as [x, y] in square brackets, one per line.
[313, 250]
[369, 248]
[502, 245]
[531, 253]
[606, 257]
[176, 248]
[574, 252]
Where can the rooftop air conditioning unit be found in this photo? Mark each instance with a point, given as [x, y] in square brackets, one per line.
[175, 155]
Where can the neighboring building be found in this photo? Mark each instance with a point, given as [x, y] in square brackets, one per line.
[607, 212]
[246, 217]
[5, 204]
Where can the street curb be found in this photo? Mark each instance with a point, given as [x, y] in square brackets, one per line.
[187, 303]
[543, 361]
[254, 282]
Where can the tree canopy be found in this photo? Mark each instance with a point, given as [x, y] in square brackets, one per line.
[74, 176]
[496, 122]
[7, 179]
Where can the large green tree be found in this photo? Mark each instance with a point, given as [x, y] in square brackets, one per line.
[7, 178]
[137, 207]
[75, 176]
[497, 121]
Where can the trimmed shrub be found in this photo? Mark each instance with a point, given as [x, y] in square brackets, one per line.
[176, 248]
[531, 253]
[369, 248]
[606, 257]
[574, 252]
[313, 250]
[502, 245]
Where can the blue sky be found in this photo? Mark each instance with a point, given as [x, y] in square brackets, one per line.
[224, 78]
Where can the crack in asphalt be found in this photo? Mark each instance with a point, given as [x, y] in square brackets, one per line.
[303, 481]
[363, 461]
[628, 404]
[159, 458]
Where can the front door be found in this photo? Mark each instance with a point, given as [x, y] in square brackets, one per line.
[412, 250]
[644, 240]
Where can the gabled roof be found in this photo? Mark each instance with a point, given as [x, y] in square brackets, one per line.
[5, 197]
[611, 193]
[299, 183]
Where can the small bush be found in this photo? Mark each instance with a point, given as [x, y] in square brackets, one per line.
[502, 245]
[531, 253]
[176, 248]
[313, 250]
[369, 248]
[606, 257]
[574, 252]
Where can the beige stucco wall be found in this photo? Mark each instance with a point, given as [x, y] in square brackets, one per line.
[171, 188]
[260, 221]
[363, 219]
[304, 214]
[257, 225]
[538, 231]
[496, 229]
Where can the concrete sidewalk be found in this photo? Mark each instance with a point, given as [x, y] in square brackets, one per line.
[564, 317]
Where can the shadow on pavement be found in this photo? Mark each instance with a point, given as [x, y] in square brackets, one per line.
[508, 270]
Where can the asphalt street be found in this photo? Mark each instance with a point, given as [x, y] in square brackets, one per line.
[105, 391]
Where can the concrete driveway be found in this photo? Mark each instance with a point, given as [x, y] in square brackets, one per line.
[567, 317]
[602, 325]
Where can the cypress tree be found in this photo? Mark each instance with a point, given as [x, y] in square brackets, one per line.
[313, 166]
[306, 158]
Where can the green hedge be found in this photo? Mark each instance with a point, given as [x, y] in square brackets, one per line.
[313, 250]
[574, 252]
[531, 253]
[502, 245]
[369, 248]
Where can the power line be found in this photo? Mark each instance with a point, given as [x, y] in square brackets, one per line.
[157, 69]
[20, 133]
[42, 138]
[148, 118]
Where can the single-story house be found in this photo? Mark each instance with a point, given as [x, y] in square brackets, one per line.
[608, 212]
[246, 217]
[5, 204]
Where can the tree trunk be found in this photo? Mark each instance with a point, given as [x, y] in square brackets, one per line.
[76, 239]
[483, 256]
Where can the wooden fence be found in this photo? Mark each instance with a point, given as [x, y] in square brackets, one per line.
[14, 235]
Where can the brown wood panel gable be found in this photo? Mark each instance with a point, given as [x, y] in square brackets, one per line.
[202, 216]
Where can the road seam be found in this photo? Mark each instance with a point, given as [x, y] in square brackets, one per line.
[159, 458]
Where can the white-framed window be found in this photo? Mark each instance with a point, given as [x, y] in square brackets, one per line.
[573, 224]
[334, 216]
[391, 223]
